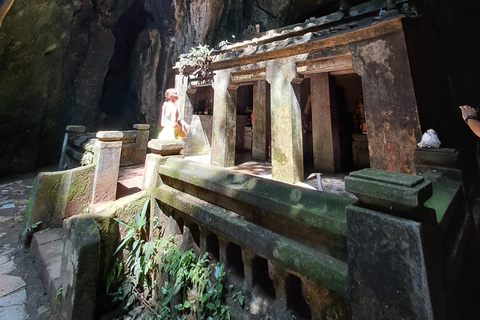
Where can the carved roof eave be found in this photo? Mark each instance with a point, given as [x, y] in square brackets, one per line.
[308, 42]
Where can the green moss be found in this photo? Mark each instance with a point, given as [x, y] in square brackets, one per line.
[77, 186]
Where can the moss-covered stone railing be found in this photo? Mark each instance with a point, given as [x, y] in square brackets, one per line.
[77, 146]
[412, 243]
[62, 194]
[281, 243]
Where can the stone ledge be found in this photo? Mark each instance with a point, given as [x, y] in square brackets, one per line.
[443, 157]
[76, 129]
[141, 126]
[109, 135]
[166, 147]
[387, 190]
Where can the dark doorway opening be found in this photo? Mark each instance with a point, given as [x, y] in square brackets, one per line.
[244, 129]
[352, 132]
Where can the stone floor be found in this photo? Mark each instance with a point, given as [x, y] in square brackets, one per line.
[21, 292]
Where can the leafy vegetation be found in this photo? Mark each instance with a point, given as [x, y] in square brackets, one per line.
[32, 227]
[196, 62]
[189, 285]
[88, 155]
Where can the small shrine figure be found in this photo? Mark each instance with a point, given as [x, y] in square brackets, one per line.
[359, 122]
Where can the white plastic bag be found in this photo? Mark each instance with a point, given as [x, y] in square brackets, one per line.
[430, 140]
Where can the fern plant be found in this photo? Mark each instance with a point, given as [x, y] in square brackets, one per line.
[190, 280]
[196, 62]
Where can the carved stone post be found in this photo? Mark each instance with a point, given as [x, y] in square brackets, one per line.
[63, 164]
[141, 142]
[224, 120]
[161, 151]
[394, 258]
[259, 145]
[287, 144]
[108, 149]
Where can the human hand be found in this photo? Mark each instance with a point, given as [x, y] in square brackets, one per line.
[468, 111]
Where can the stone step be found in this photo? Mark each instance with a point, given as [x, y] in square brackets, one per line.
[46, 249]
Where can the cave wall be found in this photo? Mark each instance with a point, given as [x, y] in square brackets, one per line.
[55, 57]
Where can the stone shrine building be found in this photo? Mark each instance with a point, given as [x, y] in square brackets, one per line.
[333, 94]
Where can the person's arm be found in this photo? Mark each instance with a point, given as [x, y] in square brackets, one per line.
[469, 114]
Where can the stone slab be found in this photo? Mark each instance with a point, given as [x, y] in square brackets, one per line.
[10, 284]
[388, 190]
[109, 135]
[4, 258]
[80, 266]
[76, 129]
[387, 267]
[15, 298]
[7, 267]
[15, 312]
[166, 148]
[442, 157]
[141, 126]
[47, 236]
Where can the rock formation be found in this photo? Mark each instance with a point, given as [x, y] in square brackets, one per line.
[105, 64]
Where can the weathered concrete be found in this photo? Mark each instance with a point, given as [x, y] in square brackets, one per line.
[385, 190]
[197, 142]
[79, 268]
[56, 195]
[166, 147]
[398, 244]
[287, 147]
[10, 284]
[141, 142]
[224, 120]
[107, 158]
[326, 147]
[268, 203]
[259, 144]
[46, 249]
[392, 118]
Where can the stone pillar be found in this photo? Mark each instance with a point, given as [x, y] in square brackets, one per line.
[141, 142]
[394, 257]
[108, 149]
[326, 144]
[390, 104]
[80, 268]
[259, 145]
[161, 151]
[185, 108]
[64, 163]
[287, 144]
[224, 120]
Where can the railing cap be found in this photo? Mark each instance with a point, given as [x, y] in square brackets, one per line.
[76, 129]
[388, 190]
[141, 126]
[109, 135]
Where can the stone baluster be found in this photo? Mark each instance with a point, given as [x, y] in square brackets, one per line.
[161, 151]
[394, 257]
[141, 142]
[63, 164]
[108, 149]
